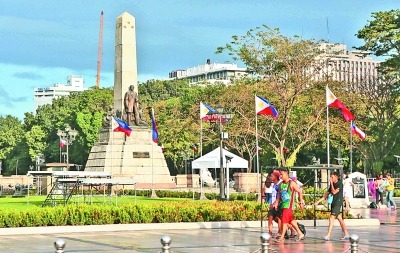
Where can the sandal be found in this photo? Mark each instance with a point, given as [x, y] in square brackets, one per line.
[293, 236]
[325, 238]
[346, 238]
[301, 238]
[280, 241]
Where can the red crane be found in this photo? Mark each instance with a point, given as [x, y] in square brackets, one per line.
[100, 52]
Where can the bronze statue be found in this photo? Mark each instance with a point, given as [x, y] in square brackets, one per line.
[131, 107]
[108, 118]
[142, 120]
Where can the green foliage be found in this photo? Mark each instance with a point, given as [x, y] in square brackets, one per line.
[382, 37]
[187, 211]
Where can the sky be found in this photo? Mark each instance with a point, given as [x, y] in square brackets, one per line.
[42, 42]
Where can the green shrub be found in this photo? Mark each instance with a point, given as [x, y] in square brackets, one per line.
[161, 212]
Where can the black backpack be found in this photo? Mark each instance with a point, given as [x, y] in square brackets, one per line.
[302, 228]
[373, 205]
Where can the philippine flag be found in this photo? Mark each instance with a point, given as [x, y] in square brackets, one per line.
[205, 111]
[332, 101]
[357, 131]
[258, 149]
[265, 107]
[162, 148]
[120, 126]
[195, 149]
[63, 143]
[154, 127]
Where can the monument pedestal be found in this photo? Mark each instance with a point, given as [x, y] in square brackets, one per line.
[136, 156]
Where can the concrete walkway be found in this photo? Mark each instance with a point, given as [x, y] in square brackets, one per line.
[199, 237]
[372, 239]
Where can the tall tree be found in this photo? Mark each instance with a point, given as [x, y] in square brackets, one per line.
[382, 37]
[290, 73]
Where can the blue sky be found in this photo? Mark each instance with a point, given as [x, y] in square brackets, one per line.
[41, 42]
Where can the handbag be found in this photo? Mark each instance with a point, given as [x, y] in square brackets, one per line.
[330, 198]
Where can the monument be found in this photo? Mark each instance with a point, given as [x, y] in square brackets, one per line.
[359, 197]
[135, 156]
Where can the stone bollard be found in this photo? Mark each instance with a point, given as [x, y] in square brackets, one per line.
[59, 244]
[165, 241]
[354, 243]
[265, 242]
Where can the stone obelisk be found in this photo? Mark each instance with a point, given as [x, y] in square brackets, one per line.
[125, 68]
[135, 156]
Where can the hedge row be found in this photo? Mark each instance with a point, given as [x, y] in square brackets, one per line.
[140, 213]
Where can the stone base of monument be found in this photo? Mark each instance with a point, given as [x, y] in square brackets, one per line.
[136, 156]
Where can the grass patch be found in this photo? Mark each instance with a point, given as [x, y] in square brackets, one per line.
[36, 201]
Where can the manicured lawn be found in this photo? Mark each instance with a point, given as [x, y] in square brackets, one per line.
[22, 203]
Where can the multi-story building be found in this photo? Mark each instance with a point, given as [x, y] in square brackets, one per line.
[352, 66]
[45, 95]
[210, 72]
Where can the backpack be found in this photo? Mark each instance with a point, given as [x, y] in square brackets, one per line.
[302, 228]
[373, 205]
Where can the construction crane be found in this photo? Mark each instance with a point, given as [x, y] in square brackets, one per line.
[100, 52]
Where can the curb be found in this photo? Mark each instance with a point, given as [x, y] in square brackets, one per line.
[168, 226]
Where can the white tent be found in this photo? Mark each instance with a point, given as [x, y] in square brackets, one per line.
[212, 160]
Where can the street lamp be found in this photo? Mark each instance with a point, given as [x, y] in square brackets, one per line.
[186, 156]
[68, 135]
[340, 160]
[221, 116]
[398, 161]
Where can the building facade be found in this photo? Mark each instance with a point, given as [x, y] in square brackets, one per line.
[352, 66]
[45, 95]
[210, 72]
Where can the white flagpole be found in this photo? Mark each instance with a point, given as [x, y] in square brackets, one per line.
[327, 137]
[153, 193]
[201, 134]
[257, 164]
[351, 148]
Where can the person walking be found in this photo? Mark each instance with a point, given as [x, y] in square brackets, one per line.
[286, 196]
[389, 192]
[378, 190]
[336, 189]
[274, 214]
[268, 190]
[347, 184]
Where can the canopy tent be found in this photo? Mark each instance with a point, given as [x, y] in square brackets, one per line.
[212, 160]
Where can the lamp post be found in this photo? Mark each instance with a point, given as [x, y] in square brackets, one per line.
[68, 135]
[186, 156]
[398, 161]
[221, 116]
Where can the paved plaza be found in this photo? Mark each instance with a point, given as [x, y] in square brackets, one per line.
[372, 239]
[382, 238]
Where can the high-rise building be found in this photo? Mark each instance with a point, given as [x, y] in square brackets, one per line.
[45, 95]
[352, 66]
[210, 72]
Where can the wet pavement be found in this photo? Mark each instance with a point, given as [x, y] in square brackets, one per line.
[372, 239]
[382, 238]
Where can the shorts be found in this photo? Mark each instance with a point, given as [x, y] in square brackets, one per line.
[275, 213]
[346, 194]
[287, 216]
[335, 210]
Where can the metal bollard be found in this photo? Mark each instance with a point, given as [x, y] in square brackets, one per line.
[166, 241]
[265, 242]
[354, 243]
[59, 244]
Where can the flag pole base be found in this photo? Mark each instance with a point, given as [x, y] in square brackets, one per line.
[202, 197]
[153, 194]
